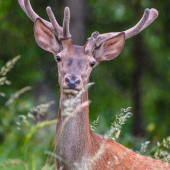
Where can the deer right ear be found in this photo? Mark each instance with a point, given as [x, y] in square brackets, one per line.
[45, 38]
[110, 49]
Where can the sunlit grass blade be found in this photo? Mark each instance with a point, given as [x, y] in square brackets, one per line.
[38, 126]
[58, 157]
[12, 163]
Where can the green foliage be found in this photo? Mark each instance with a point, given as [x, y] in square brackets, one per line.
[4, 70]
[17, 125]
[116, 126]
[114, 80]
[35, 128]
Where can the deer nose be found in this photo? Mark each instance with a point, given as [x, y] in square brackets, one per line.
[72, 82]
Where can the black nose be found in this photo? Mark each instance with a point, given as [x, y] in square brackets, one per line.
[72, 82]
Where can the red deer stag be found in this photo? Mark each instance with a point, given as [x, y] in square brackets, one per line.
[77, 144]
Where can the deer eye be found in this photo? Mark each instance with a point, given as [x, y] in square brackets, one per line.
[92, 63]
[58, 58]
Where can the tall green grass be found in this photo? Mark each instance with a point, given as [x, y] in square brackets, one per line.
[24, 137]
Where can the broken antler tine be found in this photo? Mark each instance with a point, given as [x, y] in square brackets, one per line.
[66, 32]
[137, 28]
[153, 15]
[55, 24]
[92, 42]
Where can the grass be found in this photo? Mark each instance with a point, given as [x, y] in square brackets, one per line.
[24, 137]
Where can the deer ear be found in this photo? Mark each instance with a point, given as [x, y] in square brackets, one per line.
[45, 38]
[110, 49]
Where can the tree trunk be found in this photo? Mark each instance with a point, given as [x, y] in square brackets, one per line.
[77, 21]
[137, 95]
[139, 52]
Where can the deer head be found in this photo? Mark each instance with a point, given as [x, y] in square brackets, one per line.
[75, 63]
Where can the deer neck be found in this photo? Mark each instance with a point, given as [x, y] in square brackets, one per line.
[82, 116]
[73, 133]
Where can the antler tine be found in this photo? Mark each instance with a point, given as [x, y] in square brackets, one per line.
[26, 6]
[148, 17]
[66, 32]
[91, 42]
[57, 28]
[153, 15]
[136, 29]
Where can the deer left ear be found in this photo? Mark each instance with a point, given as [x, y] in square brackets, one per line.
[45, 38]
[110, 49]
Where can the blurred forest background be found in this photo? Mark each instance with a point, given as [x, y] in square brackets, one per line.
[139, 77]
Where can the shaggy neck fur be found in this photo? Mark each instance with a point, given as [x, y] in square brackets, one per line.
[72, 141]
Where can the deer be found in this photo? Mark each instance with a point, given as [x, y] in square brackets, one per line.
[78, 142]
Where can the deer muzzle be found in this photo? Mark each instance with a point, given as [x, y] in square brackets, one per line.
[72, 84]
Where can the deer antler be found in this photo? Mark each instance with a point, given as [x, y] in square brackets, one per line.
[148, 17]
[57, 29]
[66, 32]
[60, 32]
